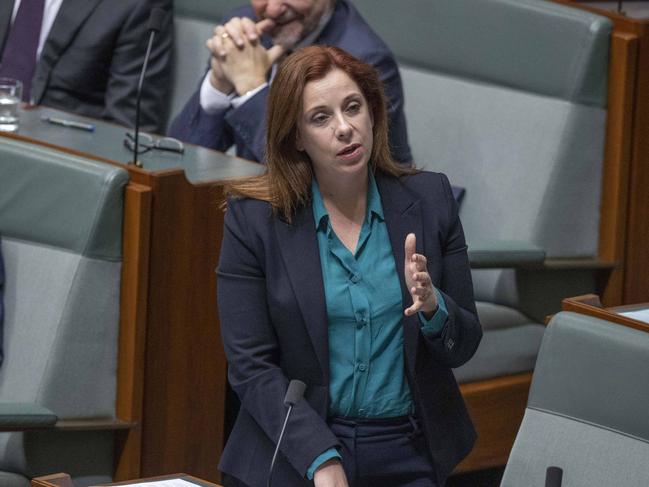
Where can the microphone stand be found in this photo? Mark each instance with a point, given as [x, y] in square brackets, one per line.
[139, 96]
[294, 393]
[281, 435]
[155, 24]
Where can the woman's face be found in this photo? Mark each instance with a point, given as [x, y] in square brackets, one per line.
[335, 126]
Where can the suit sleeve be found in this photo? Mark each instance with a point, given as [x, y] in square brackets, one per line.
[252, 350]
[243, 126]
[126, 64]
[218, 131]
[196, 126]
[462, 332]
[249, 123]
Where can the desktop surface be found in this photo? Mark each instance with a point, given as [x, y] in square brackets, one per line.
[107, 142]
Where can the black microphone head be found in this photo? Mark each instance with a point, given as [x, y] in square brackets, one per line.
[294, 392]
[553, 477]
[156, 18]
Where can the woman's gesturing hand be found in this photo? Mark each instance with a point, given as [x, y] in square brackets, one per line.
[418, 281]
[330, 474]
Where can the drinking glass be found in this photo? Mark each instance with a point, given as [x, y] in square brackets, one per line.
[11, 92]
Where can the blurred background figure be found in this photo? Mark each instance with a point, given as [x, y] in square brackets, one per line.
[230, 104]
[85, 56]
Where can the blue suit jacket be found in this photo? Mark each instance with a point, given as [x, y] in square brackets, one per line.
[245, 126]
[274, 326]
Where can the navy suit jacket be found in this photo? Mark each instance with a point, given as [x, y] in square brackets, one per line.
[274, 326]
[245, 126]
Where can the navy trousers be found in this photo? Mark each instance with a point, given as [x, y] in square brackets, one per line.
[379, 453]
[384, 453]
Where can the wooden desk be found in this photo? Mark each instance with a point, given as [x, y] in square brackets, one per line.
[171, 378]
[64, 480]
[591, 305]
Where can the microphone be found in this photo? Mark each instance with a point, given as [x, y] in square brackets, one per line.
[553, 477]
[155, 24]
[293, 395]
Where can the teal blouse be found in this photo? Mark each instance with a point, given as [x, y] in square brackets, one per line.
[364, 311]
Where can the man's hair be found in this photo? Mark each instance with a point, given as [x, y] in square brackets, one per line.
[287, 182]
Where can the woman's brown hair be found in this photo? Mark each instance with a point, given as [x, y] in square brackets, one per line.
[287, 182]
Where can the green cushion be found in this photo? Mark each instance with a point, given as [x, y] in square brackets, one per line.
[504, 253]
[529, 45]
[25, 415]
[63, 201]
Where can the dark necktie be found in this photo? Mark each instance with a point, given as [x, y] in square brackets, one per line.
[19, 55]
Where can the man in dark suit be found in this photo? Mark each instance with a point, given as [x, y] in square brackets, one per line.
[230, 105]
[85, 56]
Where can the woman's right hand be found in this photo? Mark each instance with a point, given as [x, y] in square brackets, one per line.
[330, 474]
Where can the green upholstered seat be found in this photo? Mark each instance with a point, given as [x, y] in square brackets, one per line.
[61, 226]
[508, 98]
[587, 408]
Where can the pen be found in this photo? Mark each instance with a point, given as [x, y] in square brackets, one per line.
[69, 123]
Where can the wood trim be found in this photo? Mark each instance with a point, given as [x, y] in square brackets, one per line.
[496, 407]
[132, 335]
[183, 476]
[64, 480]
[578, 264]
[636, 288]
[617, 157]
[68, 150]
[587, 305]
[53, 480]
[93, 424]
[185, 371]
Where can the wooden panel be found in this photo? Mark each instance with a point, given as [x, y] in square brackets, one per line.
[181, 476]
[133, 309]
[185, 363]
[615, 194]
[496, 407]
[590, 305]
[53, 480]
[636, 287]
[64, 480]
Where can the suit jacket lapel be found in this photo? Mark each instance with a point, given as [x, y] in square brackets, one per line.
[299, 248]
[6, 9]
[403, 215]
[69, 19]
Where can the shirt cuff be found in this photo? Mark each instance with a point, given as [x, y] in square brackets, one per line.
[320, 459]
[212, 100]
[237, 101]
[433, 327]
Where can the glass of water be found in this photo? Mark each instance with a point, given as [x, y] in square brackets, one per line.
[11, 93]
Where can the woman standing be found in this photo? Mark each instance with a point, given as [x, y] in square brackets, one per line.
[350, 273]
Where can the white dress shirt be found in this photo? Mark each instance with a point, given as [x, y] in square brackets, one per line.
[213, 101]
